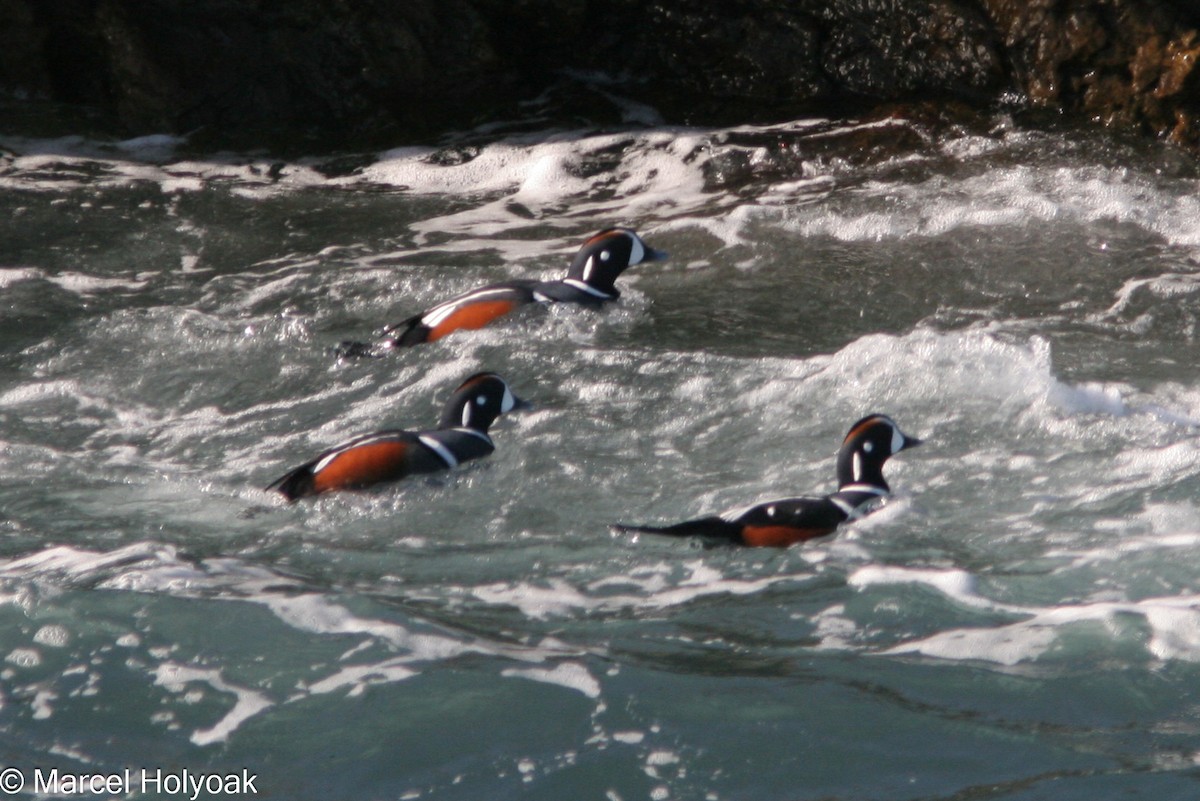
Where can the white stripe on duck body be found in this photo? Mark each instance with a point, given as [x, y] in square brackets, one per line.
[590, 281]
[869, 443]
[392, 454]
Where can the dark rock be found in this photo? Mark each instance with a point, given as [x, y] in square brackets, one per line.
[756, 60]
[238, 72]
[236, 69]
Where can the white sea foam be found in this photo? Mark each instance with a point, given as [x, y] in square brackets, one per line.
[1172, 623]
[55, 166]
[571, 675]
[42, 703]
[653, 173]
[956, 584]
[24, 657]
[953, 371]
[89, 284]
[1140, 302]
[1157, 529]
[656, 587]
[1007, 197]
[657, 172]
[537, 176]
[539, 169]
[78, 563]
[10, 276]
[248, 703]
[53, 636]
[317, 614]
[1165, 286]
[356, 678]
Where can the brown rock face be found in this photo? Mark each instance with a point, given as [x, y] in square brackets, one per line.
[1123, 62]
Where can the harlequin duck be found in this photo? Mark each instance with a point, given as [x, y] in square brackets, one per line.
[590, 280]
[868, 444]
[393, 454]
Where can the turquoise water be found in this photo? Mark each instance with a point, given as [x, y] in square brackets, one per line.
[1021, 621]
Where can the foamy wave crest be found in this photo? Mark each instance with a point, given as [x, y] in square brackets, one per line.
[520, 182]
[1163, 305]
[1162, 629]
[506, 183]
[1158, 529]
[76, 565]
[943, 375]
[674, 174]
[655, 586]
[57, 165]
[1006, 197]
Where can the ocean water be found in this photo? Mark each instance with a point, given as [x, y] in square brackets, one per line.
[1020, 621]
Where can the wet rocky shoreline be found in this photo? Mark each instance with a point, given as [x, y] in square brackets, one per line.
[247, 72]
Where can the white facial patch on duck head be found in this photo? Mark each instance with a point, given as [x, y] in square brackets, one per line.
[637, 251]
[509, 401]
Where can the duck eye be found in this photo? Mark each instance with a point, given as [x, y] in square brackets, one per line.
[868, 446]
[604, 255]
[481, 400]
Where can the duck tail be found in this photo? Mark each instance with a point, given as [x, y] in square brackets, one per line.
[293, 485]
[713, 528]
